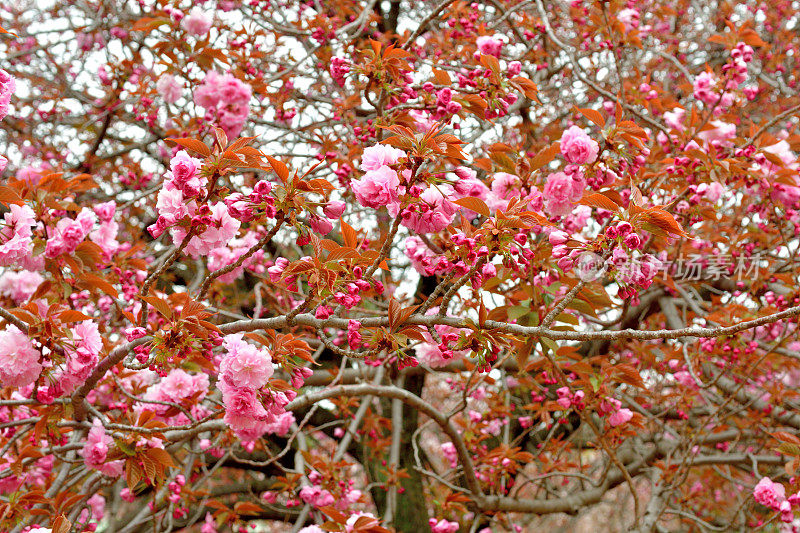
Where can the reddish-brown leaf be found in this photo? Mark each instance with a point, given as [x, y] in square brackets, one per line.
[192, 144]
[600, 201]
[474, 204]
[594, 116]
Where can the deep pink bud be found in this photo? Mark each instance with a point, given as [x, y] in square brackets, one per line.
[558, 237]
[334, 209]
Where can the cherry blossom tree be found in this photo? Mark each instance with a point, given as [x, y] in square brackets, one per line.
[381, 265]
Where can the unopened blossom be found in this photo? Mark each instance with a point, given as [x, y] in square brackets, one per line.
[339, 69]
[334, 209]
[323, 226]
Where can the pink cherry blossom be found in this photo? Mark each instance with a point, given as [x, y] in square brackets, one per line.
[244, 365]
[377, 188]
[434, 214]
[316, 496]
[578, 148]
[379, 155]
[19, 360]
[105, 236]
[19, 286]
[197, 22]
[422, 258]
[169, 88]
[82, 356]
[704, 88]
[442, 526]
[184, 174]
[769, 493]
[219, 232]
[489, 45]
[69, 233]
[281, 425]
[620, 417]
[171, 203]
[225, 255]
[105, 211]
[560, 194]
[95, 452]
[722, 132]
[8, 85]
[227, 99]
[629, 18]
[505, 185]
[244, 412]
[674, 119]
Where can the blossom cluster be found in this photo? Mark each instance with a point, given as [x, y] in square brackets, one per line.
[773, 495]
[7, 87]
[251, 409]
[226, 100]
[16, 238]
[95, 452]
[181, 209]
[20, 361]
[707, 87]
